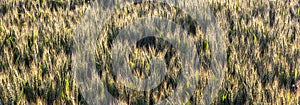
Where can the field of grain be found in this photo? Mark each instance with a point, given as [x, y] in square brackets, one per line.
[262, 49]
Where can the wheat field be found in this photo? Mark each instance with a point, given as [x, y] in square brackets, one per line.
[262, 49]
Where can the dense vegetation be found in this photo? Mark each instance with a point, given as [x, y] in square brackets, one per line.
[262, 39]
